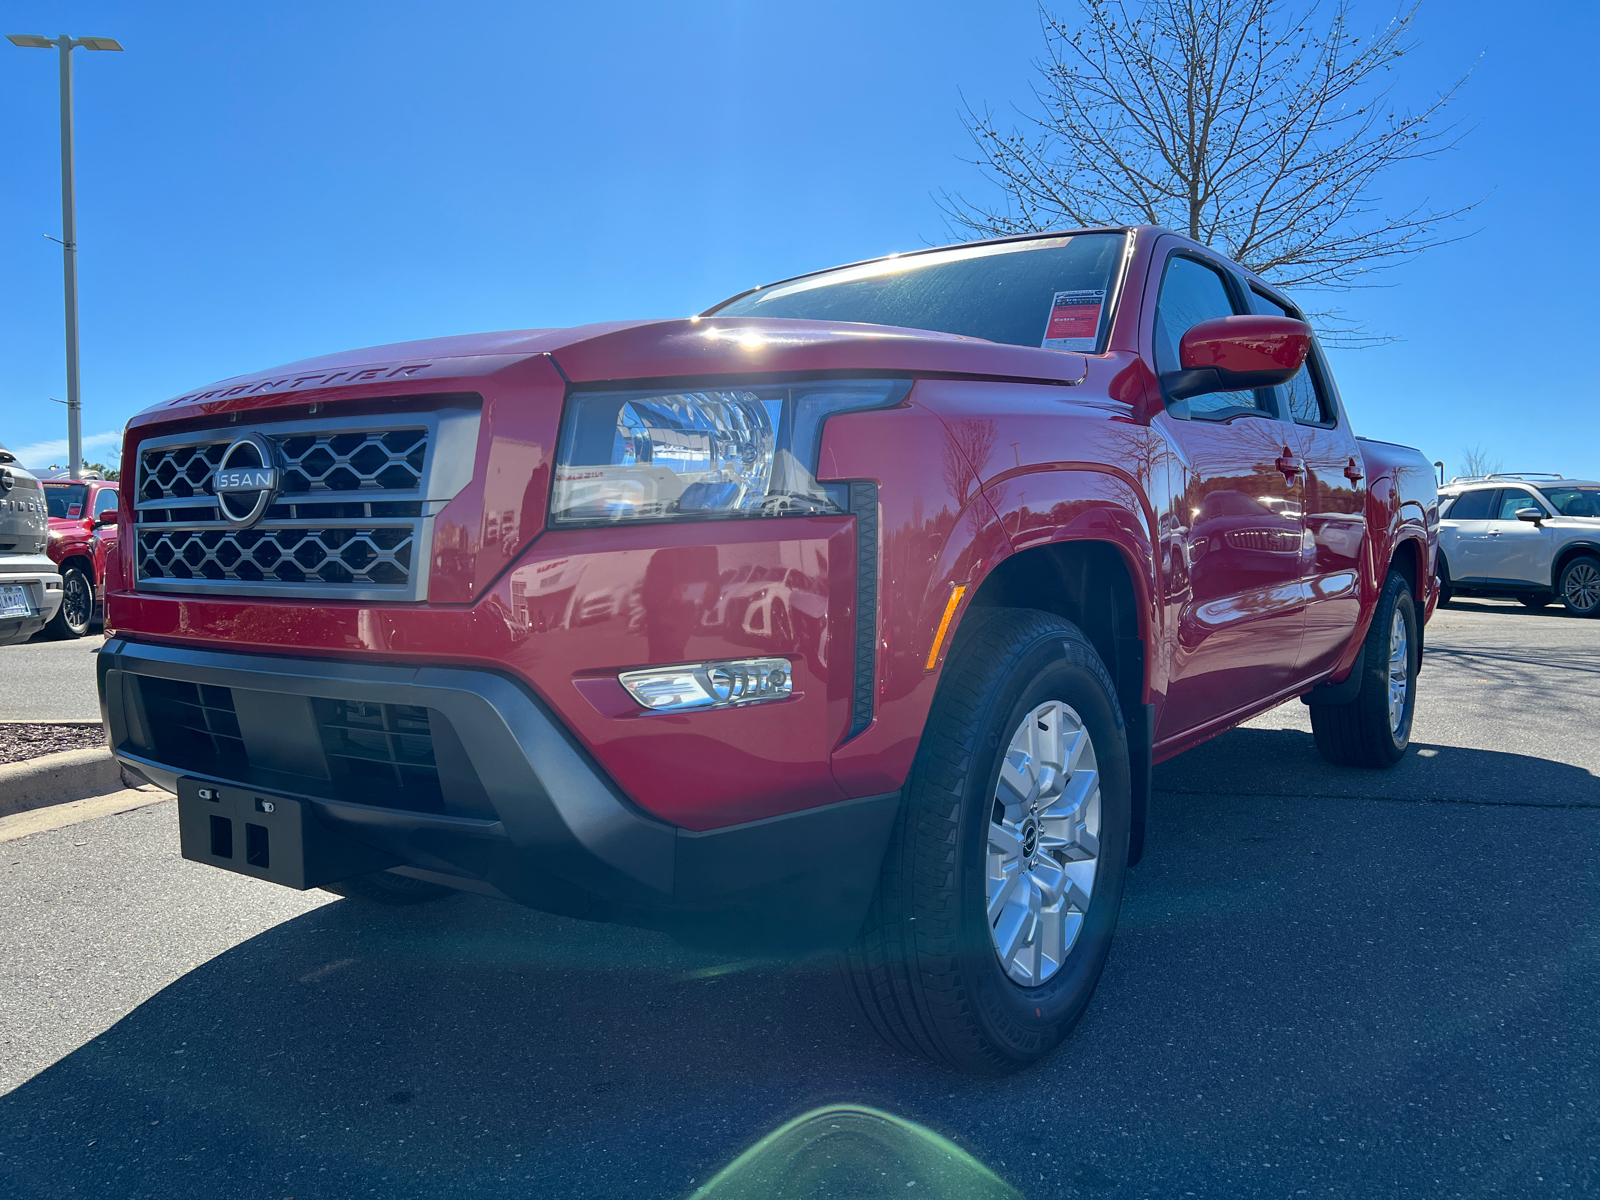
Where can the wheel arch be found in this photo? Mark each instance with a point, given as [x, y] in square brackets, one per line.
[83, 562]
[1569, 552]
[1093, 583]
[1086, 581]
[1409, 558]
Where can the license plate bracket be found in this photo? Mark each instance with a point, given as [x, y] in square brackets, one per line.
[267, 836]
[14, 601]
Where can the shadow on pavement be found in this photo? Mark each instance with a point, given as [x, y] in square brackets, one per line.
[1345, 998]
[468, 1043]
[1506, 608]
[1285, 762]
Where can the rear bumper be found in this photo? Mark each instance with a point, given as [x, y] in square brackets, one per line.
[39, 578]
[519, 809]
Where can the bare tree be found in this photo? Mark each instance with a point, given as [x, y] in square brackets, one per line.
[1253, 127]
[1475, 460]
[968, 443]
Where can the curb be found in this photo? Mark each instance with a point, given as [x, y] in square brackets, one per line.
[57, 779]
[84, 722]
[74, 812]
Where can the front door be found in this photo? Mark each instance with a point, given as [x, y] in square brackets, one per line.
[1238, 616]
[1519, 551]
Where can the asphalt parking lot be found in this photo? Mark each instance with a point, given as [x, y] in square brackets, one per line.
[50, 681]
[1326, 983]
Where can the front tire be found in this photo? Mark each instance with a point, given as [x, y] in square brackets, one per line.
[1374, 729]
[77, 607]
[1580, 586]
[1003, 879]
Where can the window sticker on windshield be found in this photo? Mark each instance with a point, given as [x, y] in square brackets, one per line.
[74, 510]
[1074, 320]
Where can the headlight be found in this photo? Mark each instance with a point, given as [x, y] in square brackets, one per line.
[730, 451]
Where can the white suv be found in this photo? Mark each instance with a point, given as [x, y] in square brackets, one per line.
[30, 584]
[1532, 537]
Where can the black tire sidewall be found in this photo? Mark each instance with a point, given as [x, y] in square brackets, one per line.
[59, 627]
[1020, 1022]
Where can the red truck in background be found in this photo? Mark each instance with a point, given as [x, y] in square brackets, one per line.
[83, 536]
[852, 613]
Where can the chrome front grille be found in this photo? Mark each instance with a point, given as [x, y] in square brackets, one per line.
[352, 518]
[313, 463]
[363, 556]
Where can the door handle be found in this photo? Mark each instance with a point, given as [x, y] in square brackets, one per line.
[1289, 463]
[1353, 472]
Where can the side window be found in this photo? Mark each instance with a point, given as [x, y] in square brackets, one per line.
[1512, 499]
[1472, 506]
[1192, 292]
[105, 501]
[1304, 397]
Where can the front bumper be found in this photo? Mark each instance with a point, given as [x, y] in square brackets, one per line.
[510, 803]
[42, 582]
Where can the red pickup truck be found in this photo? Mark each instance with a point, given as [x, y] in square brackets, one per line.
[852, 613]
[83, 535]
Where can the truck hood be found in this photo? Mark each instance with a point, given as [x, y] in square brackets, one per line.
[694, 347]
[522, 377]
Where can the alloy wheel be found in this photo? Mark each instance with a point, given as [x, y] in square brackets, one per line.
[1044, 843]
[77, 600]
[1582, 590]
[1399, 670]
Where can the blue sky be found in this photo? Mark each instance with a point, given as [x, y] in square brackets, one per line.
[261, 183]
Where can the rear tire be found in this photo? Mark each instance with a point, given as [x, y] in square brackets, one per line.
[1580, 586]
[77, 607]
[1374, 729]
[932, 971]
[1534, 599]
[385, 887]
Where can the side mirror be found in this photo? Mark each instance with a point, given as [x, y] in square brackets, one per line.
[1235, 354]
[109, 517]
[1530, 514]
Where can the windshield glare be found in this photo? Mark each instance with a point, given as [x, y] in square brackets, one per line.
[1055, 292]
[64, 497]
[1574, 501]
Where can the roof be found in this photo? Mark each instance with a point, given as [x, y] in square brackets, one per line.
[1466, 483]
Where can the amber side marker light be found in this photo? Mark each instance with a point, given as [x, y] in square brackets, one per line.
[944, 625]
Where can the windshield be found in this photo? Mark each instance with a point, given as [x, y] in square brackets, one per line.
[1055, 292]
[66, 500]
[1574, 501]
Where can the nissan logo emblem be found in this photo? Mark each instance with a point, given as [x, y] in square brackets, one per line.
[246, 481]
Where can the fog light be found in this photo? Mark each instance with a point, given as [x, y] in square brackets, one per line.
[710, 685]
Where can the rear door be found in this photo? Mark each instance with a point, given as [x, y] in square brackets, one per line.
[1239, 612]
[1335, 498]
[1516, 550]
[1464, 534]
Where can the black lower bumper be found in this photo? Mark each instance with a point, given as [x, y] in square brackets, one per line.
[464, 776]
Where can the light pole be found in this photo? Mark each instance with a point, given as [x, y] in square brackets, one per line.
[69, 228]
